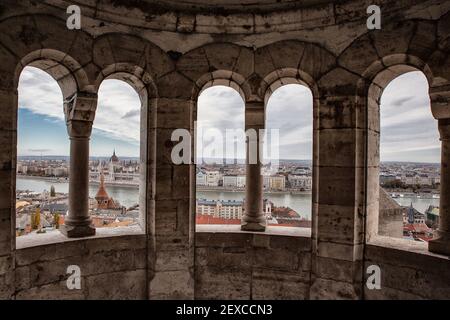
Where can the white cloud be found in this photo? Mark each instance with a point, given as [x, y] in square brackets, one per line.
[118, 111]
[118, 108]
[39, 93]
[290, 110]
[408, 130]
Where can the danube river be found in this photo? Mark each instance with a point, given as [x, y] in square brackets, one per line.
[128, 196]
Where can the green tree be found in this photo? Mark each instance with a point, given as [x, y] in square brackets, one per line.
[33, 221]
[52, 191]
[37, 218]
[56, 220]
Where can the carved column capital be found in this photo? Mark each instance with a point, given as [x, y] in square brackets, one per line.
[79, 111]
[440, 102]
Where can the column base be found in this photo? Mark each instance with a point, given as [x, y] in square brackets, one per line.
[77, 231]
[440, 244]
[253, 225]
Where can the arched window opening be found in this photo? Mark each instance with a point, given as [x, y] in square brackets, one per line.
[410, 153]
[287, 172]
[114, 164]
[42, 155]
[220, 157]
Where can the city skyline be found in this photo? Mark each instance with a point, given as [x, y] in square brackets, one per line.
[409, 132]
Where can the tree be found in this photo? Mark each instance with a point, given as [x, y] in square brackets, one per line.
[56, 220]
[37, 218]
[52, 191]
[33, 221]
[394, 184]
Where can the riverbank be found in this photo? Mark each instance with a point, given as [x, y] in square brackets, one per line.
[126, 195]
[66, 180]
[240, 190]
[48, 179]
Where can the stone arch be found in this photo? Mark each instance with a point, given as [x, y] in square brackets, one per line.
[144, 86]
[269, 85]
[135, 76]
[281, 77]
[132, 54]
[69, 74]
[215, 57]
[397, 41]
[35, 40]
[369, 91]
[223, 78]
[311, 60]
[44, 41]
[217, 78]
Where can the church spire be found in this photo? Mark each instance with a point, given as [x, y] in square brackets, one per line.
[114, 157]
[101, 193]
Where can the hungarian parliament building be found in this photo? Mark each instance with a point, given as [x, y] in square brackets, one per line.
[115, 171]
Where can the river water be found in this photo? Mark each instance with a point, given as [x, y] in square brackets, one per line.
[128, 196]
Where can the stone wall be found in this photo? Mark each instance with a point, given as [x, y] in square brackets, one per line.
[408, 271]
[251, 266]
[390, 216]
[111, 268]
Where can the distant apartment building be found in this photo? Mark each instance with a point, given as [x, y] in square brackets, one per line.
[424, 180]
[275, 182]
[230, 181]
[240, 181]
[231, 209]
[436, 179]
[22, 168]
[57, 172]
[234, 181]
[303, 171]
[419, 179]
[300, 181]
[201, 178]
[213, 178]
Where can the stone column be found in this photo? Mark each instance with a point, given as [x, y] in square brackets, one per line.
[253, 219]
[441, 242]
[8, 143]
[79, 111]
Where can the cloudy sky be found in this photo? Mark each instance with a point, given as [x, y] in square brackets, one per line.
[41, 126]
[409, 132]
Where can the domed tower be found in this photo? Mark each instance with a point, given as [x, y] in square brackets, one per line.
[114, 165]
[114, 158]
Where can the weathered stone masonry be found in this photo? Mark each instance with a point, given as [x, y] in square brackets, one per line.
[170, 51]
